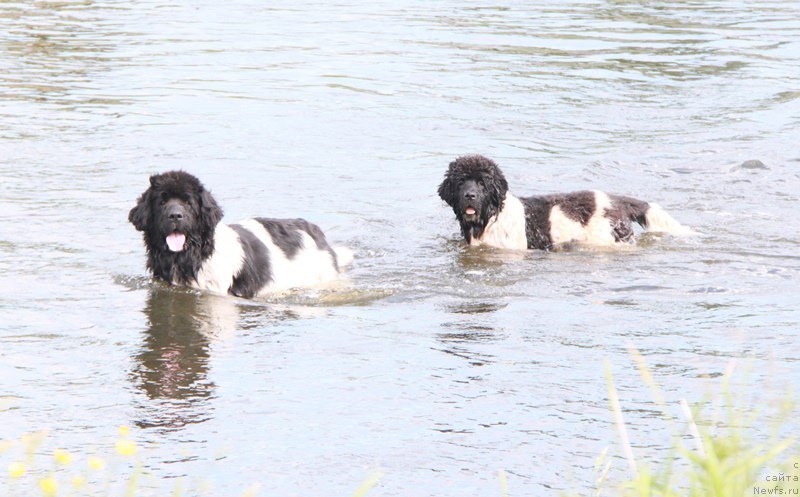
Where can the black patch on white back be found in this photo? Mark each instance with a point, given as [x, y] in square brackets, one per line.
[286, 234]
[256, 271]
[577, 206]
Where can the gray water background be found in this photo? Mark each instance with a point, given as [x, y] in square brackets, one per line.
[439, 365]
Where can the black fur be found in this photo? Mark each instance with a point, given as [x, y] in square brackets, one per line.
[578, 206]
[201, 216]
[478, 174]
[285, 233]
[474, 181]
[537, 223]
[623, 211]
[255, 272]
[176, 204]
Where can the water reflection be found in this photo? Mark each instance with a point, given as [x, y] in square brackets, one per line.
[172, 368]
[568, 95]
[488, 257]
[478, 307]
[472, 326]
[57, 57]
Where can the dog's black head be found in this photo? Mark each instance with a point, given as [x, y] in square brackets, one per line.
[475, 188]
[177, 217]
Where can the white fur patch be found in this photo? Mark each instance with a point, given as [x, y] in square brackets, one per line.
[597, 231]
[310, 266]
[217, 272]
[507, 229]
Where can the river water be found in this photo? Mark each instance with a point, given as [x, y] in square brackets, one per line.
[436, 365]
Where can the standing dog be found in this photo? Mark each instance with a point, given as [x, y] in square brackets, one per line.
[188, 245]
[489, 214]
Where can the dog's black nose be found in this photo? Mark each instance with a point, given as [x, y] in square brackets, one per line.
[175, 214]
[471, 195]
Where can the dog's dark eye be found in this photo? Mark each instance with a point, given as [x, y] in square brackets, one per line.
[480, 182]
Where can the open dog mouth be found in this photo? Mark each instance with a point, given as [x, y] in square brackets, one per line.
[470, 214]
[176, 241]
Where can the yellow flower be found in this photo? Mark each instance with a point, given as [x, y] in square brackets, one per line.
[32, 440]
[252, 491]
[125, 447]
[124, 431]
[96, 463]
[16, 469]
[5, 445]
[62, 456]
[49, 486]
[78, 481]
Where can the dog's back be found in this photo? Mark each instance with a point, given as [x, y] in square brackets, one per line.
[187, 244]
[591, 217]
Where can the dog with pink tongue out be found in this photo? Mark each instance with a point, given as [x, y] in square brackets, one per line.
[489, 214]
[176, 241]
[188, 244]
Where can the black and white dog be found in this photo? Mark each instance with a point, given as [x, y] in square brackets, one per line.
[489, 214]
[188, 245]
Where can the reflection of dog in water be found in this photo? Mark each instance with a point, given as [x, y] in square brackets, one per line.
[172, 365]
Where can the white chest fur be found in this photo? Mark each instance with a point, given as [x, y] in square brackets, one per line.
[218, 271]
[507, 229]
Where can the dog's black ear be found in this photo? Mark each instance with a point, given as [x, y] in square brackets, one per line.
[140, 215]
[449, 187]
[446, 191]
[210, 213]
[497, 187]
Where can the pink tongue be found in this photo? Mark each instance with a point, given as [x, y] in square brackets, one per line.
[469, 211]
[175, 241]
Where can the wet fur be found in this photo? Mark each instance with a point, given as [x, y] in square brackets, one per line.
[541, 222]
[180, 267]
[256, 256]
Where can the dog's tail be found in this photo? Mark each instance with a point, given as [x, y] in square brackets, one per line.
[344, 256]
[657, 219]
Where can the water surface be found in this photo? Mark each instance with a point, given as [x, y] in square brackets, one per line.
[439, 365]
